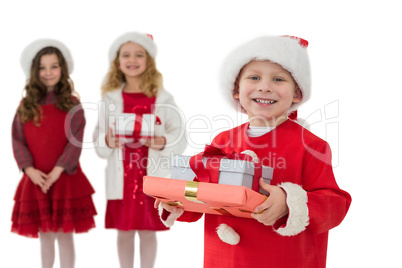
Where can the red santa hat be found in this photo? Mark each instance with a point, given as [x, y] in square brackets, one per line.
[145, 40]
[288, 51]
[32, 49]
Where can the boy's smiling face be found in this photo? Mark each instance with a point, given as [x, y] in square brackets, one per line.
[266, 92]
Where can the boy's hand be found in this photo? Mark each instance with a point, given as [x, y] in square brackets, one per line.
[274, 207]
[37, 177]
[167, 207]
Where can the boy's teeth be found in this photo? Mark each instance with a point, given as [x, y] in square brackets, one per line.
[265, 101]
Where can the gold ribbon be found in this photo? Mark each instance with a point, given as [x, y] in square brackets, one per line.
[175, 203]
[222, 211]
[190, 191]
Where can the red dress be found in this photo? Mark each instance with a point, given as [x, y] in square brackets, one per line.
[136, 210]
[68, 206]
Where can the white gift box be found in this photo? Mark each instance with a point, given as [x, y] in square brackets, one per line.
[123, 124]
[181, 168]
[231, 172]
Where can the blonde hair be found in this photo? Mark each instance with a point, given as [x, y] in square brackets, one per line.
[151, 79]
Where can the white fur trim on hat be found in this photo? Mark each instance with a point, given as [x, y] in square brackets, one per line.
[283, 50]
[296, 200]
[227, 234]
[32, 49]
[139, 38]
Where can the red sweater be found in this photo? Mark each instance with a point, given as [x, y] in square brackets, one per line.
[302, 167]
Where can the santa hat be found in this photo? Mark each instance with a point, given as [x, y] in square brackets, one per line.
[32, 49]
[145, 40]
[288, 51]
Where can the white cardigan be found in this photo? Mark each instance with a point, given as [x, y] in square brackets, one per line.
[172, 127]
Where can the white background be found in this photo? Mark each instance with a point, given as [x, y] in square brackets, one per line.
[355, 51]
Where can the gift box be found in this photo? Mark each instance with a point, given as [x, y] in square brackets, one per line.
[133, 126]
[181, 169]
[204, 197]
[231, 171]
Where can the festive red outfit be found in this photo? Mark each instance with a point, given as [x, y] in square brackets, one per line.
[136, 210]
[68, 206]
[300, 159]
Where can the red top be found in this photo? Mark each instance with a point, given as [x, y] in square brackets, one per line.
[68, 159]
[298, 157]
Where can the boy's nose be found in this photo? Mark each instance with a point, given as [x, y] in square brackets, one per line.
[264, 87]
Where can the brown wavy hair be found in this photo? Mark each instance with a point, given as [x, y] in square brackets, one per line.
[35, 90]
[151, 79]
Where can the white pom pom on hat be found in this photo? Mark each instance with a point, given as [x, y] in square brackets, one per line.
[33, 48]
[145, 40]
[288, 51]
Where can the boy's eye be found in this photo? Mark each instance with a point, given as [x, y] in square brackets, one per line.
[277, 79]
[254, 78]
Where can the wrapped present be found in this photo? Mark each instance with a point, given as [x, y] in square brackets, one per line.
[181, 169]
[214, 165]
[133, 126]
[211, 198]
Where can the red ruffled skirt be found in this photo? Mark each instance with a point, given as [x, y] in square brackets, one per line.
[62, 209]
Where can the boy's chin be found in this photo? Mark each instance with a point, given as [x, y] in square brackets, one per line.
[267, 121]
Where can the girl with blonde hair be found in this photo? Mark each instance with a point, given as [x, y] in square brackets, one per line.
[134, 85]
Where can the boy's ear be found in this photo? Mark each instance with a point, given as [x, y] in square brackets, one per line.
[298, 96]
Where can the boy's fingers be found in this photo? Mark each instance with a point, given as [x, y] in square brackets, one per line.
[157, 202]
[267, 187]
[261, 208]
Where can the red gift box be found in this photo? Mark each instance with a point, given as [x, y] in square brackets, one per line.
[211, 198]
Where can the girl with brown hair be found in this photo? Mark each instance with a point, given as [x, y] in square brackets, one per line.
[53, 198]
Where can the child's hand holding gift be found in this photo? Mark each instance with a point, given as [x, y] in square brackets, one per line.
[112, 141]
[274, 207]
[156, 143]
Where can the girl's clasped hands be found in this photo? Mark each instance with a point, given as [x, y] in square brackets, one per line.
[43, 180]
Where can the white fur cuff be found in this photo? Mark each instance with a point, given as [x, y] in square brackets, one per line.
[298, 217]
[227, 234]
[172, 216]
